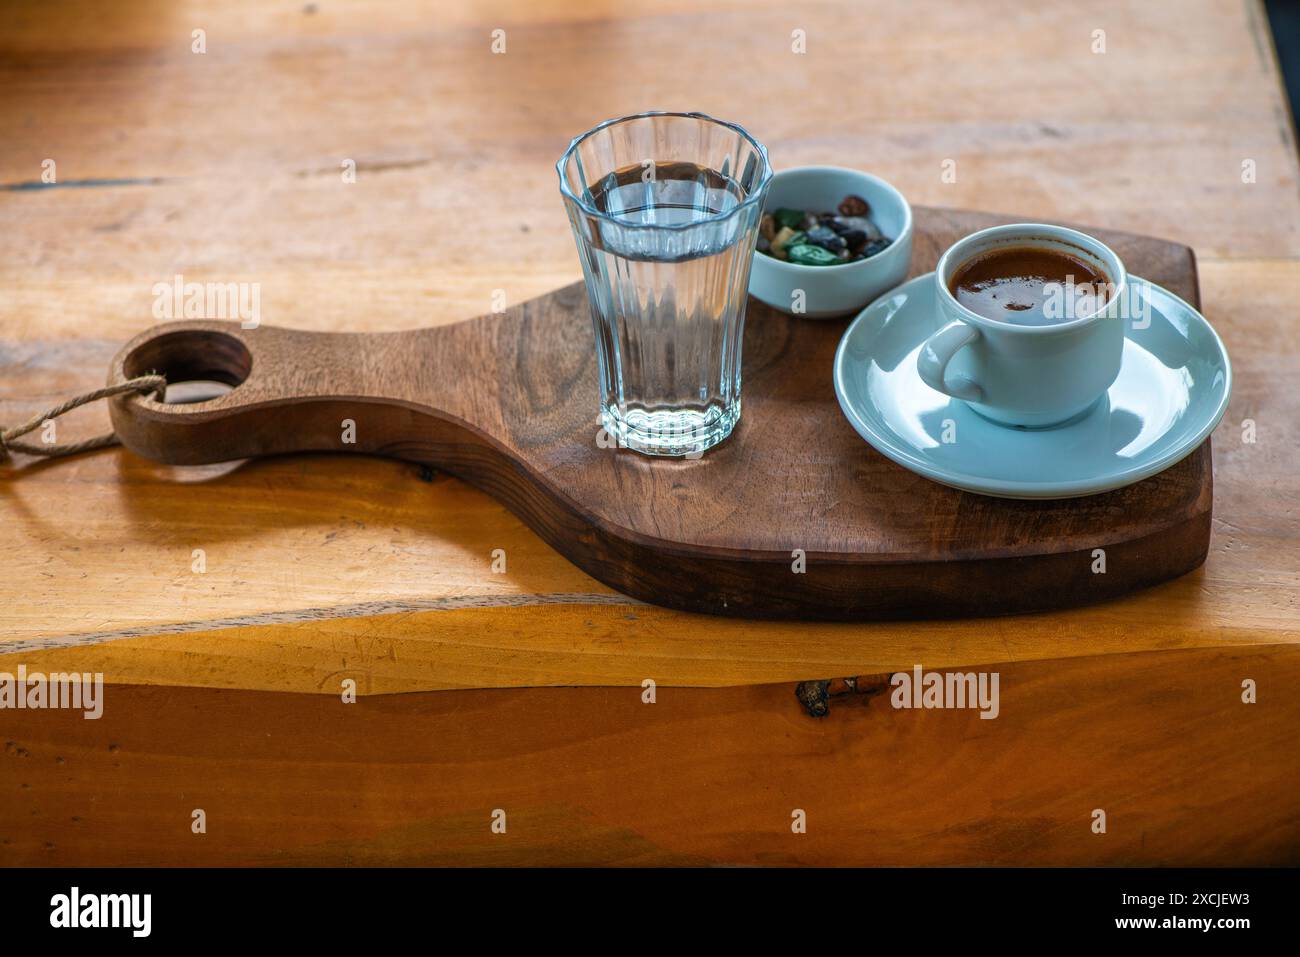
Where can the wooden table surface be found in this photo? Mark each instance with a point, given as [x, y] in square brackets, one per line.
[226, 166]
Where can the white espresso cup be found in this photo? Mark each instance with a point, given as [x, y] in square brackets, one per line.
[1029, 376]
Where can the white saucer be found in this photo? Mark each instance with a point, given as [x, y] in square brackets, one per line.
[1171, 392]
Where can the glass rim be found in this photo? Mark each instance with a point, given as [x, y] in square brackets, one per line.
[591, 210]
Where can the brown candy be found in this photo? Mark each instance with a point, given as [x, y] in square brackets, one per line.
[854, 206]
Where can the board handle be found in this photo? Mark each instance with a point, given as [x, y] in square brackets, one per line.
[291, 391]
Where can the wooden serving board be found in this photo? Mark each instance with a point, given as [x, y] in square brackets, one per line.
[508, 403]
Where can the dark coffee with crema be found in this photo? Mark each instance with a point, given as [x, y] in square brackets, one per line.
[1029, 285]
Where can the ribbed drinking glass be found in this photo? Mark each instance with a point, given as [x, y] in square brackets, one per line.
[665, 210]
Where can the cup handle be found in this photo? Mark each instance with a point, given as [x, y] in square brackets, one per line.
[932, 361]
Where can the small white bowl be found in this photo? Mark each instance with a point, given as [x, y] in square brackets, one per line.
[844, 289]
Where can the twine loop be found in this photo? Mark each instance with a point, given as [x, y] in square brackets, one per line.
[142, 385]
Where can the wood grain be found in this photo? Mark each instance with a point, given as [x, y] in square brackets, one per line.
[100, 549]
[595, 776]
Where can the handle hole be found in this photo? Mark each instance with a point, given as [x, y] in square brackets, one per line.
[195, 390]
[200, 364]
